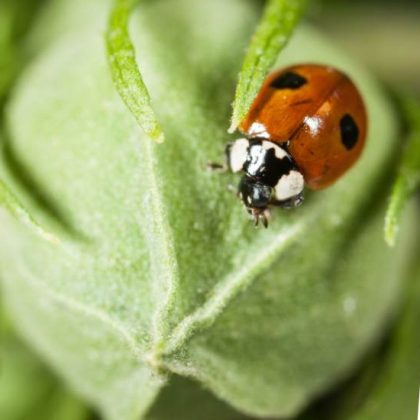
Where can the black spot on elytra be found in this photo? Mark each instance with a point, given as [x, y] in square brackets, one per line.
[288, 80]
[349, 131]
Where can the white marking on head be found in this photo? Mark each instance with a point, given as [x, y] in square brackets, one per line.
[314, 124]
[289, 185]
[279, 152]
[258, 129]
[237, 154]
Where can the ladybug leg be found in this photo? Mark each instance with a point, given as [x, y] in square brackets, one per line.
[217, 167]
[221, 167]
[290, 203]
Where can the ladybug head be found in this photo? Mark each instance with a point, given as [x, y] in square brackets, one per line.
[254, 194]
[256, 197]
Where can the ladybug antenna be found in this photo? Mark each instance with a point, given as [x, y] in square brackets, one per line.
[256, 217]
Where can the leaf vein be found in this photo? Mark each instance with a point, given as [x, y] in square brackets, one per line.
[224, 293]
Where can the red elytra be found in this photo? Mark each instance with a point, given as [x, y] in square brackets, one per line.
[317, 114]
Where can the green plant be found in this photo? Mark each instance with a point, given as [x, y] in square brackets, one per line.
[150, 269]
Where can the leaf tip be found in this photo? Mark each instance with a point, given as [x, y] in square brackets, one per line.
[390, 238]
[391, 229]
[236, 118]
[158, 137]
[232, 127]
[125, 71]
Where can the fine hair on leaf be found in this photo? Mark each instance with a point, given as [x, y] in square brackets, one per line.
[279, 19]
[125, 72]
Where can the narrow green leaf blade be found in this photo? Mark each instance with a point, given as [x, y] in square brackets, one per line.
[125, 72]
[279, 19]
[408, 178]
[9, 201]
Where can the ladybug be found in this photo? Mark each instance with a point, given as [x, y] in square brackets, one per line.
[307, 126]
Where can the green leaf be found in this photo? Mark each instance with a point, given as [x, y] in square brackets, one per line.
[176, 280]
[387, 386]
[9, 202]
[271, 36]
[408, 178]
[125, 71]
[184, 399]
[394, 391]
